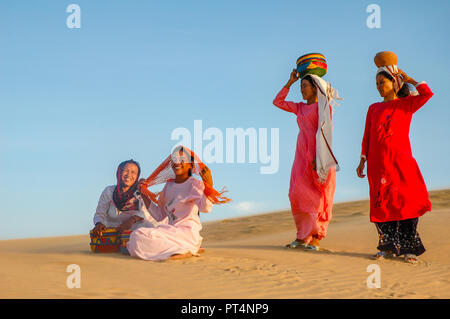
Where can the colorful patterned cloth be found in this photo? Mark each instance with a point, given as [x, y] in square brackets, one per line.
[108, 242]
[124, 239]
[400, 237]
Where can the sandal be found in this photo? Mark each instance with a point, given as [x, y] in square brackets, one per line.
[382, 255]
[411, 259]
[297, 244]
[312, 247]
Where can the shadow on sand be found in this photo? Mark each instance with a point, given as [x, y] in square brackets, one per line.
[282, 248]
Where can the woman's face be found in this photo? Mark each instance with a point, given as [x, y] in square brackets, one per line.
[309, 92]
[129, 175]
[384, 85]
[180, 163]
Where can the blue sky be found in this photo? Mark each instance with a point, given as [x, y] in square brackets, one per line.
[76, 102]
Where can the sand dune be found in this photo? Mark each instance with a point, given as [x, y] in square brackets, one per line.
[244, 258]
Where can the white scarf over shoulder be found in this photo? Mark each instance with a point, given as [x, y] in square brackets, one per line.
[326, 96]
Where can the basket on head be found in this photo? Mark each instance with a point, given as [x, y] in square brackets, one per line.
[385, 58]
[312, 63]
[108, 242]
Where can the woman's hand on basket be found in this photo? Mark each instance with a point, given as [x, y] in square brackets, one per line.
[98, 229]
[406, 78]
[292, 78]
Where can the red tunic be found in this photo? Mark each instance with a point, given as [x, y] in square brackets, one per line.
[397, 188]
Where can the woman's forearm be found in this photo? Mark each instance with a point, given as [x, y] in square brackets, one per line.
[288, 84]
[137, 218]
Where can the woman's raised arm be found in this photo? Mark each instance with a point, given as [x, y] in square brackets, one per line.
[417, 101]
[280, 99]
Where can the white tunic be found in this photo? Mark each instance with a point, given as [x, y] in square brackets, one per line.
[179, 229]
[108, 214]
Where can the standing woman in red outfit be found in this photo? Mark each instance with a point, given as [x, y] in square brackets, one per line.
[398, 194]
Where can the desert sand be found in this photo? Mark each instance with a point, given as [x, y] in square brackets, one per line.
[244, 258]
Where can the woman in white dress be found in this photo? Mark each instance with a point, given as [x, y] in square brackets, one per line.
[122, 206]
[177, 210]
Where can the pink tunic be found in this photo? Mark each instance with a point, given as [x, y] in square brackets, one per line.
[179, 232]
[311, 202]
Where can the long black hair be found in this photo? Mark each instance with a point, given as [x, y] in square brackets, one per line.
[404, 90]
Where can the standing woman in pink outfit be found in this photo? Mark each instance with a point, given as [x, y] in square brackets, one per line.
[313, 175]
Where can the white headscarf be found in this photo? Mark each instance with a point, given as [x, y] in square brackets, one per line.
[393, 71]
[326, 96]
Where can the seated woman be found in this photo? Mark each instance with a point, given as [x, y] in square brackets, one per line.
[121, 206]
[178, 208]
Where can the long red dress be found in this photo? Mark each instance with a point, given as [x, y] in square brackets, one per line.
[397, 188]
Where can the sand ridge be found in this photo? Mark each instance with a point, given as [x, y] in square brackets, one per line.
[244, 258]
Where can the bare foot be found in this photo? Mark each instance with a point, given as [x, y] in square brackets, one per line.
[181, 256]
